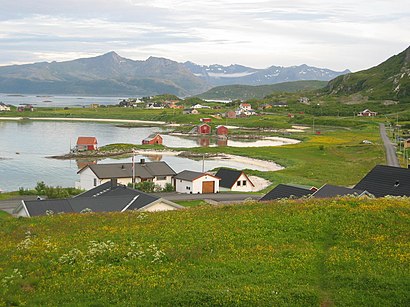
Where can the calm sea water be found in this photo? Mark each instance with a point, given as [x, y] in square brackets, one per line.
[57, 101]
[24, 146]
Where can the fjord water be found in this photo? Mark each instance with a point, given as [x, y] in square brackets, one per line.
[25, 146]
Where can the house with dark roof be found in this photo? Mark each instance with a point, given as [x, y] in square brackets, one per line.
[196, 183]
[329, 191]
[385, 180]
[234, 180]
[95, 174]
[85, 143]
[108, 197]
[286, 191]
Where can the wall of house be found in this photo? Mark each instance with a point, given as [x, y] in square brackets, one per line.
[197, 184]
[242, 188]
[160, 206]
[87, 177]
[162, 183]
[122, 181]
[22, 212]
[182, 186]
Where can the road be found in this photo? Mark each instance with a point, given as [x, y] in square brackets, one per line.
[391, 157]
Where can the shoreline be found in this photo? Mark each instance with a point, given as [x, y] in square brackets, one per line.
[103, 120]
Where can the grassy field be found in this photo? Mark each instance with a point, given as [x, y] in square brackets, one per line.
[336, 156]
[345, 252]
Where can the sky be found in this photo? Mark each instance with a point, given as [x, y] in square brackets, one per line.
[336, 34]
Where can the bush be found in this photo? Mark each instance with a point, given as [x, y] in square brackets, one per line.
[145, 186]
[168, 188]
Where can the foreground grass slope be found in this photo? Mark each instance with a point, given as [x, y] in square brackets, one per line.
[345, 252]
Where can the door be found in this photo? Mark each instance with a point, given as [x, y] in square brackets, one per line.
[208, 187]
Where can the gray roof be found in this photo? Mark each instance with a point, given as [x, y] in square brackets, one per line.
[124, 170]
[332, 191]
[286, 191]
[385, 180]
[191, 175]
[228, 177]
[103, 198]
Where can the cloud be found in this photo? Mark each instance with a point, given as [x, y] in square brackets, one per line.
[336, 34]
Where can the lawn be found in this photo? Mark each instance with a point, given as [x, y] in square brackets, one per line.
[344, 252]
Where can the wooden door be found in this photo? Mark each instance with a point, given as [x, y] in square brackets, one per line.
[208, 187]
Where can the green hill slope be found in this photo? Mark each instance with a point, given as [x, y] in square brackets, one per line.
[389, 80]
[345, 252]
[247, 91]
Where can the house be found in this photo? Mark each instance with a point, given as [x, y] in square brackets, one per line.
[204, 129]
[406, 143]
[25, 107]
[152, 139]
[85, 143]
[234, 180]
[385, 180]
[265, 106]
[94, 105]
[290, 115]
[190, 111]
[304, 100]
[221, 130]
[95, 174]
[328, 191]
[286, 191]
[244, 112]
[230, 114]
[107, 197]
[205, 120]
[196, 183]
[280, 104]
[154, 105]
[4, 107]
[367, 112]
[245, 106]
[200, 106]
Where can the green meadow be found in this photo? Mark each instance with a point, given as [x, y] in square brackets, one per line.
[338, 252]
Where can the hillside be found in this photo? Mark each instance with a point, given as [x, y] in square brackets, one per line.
[389, 80]
[248, 92]
[345, 252]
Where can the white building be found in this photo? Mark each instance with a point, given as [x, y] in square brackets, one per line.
[233, 180]
[196, 183]
[4, 107]
[95, 174]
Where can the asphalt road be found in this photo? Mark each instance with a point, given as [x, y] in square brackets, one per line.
[391, 157]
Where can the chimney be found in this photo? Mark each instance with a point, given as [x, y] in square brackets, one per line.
[142, 161]
[114, 183]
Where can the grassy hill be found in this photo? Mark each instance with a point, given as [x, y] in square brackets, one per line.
[345, 252]
[248, 92]
[390, 80]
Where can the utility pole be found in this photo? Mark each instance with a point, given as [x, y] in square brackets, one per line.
[133, 169]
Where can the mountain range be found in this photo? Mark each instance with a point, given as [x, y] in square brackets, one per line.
[110, 74]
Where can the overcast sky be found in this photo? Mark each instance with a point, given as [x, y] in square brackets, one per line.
[334, 34]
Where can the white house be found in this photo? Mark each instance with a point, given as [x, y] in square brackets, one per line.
[4, 107]
[233, 180]
[245, 106]
[108, 197]
[200, 106]
[95, 174]
[196, 183]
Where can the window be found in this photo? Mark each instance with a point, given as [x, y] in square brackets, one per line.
[161, 177]
[238, 183]
[188, 188]
[244, 182]
[95, 182]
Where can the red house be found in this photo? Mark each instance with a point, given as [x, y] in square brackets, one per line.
[204, 129]
[85, 143]
[221, 130]
[206, 120]
[153, 139]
